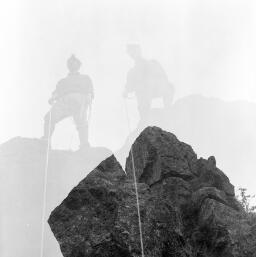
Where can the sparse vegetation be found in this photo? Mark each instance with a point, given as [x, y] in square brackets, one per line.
[246, 200]
[244, 231]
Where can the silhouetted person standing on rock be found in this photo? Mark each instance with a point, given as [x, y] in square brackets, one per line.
[71, 98]
[147, 80]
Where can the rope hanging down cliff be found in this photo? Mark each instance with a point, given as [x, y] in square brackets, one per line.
[45, 187]
[135, 185]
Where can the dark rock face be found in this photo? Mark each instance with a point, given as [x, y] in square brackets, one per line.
[187, 206]
[158, 155]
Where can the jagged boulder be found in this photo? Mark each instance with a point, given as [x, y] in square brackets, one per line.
[187, 206]
[157, 155]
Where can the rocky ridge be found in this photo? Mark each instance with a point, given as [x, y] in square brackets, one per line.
[187, 206]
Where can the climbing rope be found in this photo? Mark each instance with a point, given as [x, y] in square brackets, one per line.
[135, 184]
[45, 186]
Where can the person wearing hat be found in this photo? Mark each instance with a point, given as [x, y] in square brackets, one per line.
[71, 98]
[148, 80]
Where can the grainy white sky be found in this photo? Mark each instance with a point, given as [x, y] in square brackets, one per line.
[205, 46]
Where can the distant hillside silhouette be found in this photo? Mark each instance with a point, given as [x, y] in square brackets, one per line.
[214, 127]
[22, 166]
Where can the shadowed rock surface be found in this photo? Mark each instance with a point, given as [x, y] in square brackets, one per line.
[187, 206]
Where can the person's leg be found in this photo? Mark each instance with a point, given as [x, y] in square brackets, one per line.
[168, 95]
[83, 135]
[80, 119]
[143, 104]
[48, 128]
[57, 113]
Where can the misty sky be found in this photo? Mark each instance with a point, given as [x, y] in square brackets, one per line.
[206, 47]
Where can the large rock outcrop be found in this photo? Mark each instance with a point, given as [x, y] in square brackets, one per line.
[187, 206]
